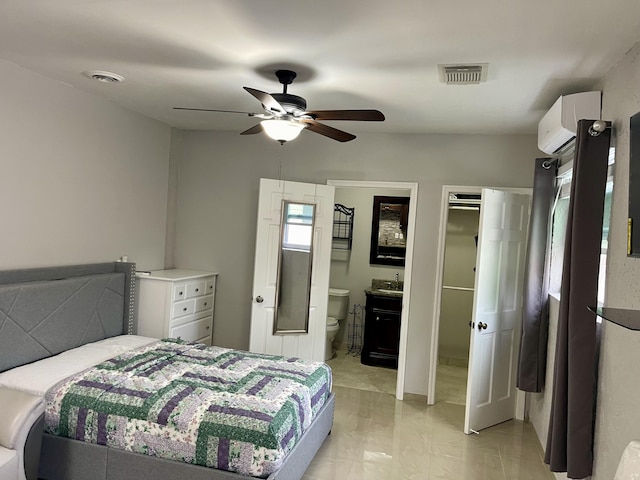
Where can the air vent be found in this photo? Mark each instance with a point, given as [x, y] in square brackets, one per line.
[463, 74]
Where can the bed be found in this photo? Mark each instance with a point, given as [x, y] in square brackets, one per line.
[64, 318]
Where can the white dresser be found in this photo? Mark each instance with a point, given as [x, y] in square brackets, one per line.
[176, 304]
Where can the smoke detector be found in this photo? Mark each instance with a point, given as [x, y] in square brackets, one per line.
[104, 77]
[463, 74]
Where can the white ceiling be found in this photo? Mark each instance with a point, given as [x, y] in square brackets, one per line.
[349, 54]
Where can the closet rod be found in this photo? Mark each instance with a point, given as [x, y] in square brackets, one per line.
[464, 289]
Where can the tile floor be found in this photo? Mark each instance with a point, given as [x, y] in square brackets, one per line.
[348, 371]
[451, 384]
[376, 436]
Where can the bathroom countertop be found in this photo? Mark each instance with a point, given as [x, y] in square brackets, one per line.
[384, 293]
[385, 288]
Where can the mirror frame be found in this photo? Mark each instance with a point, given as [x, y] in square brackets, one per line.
[374, 257]
[276, 307]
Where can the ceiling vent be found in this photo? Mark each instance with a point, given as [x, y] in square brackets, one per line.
[463, 74]
[104, 77]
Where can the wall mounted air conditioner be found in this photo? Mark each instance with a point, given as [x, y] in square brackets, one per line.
[560, 124]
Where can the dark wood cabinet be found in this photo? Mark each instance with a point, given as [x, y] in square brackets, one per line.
[382, 330]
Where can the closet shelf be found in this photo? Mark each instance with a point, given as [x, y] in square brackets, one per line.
[620, 316]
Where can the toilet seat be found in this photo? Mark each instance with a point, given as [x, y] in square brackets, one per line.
[331, 322]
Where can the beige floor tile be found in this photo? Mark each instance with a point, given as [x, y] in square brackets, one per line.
[348, 371]
[376, 436]
[518, 469]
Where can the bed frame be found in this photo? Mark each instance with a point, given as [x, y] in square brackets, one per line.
[46, 311]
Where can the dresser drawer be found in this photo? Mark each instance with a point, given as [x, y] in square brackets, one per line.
[192, 331]
[206, 340]
[195, 289]
[204, 303]
[186, 307]
[210, 285]
[179, 292]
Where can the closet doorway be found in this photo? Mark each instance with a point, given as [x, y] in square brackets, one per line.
[495, 291]
[456, 297]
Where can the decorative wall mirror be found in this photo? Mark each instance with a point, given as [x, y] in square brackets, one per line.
[389, 230]
[293, 287]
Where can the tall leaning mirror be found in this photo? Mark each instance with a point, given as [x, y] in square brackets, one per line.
[293, 287]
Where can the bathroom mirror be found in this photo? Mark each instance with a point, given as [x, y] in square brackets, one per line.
[293, 287]
[389, 230]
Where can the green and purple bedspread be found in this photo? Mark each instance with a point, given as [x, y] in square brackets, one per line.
[210, 406]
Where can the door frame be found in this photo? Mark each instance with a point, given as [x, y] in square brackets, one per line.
[412, 187]
[435, 325]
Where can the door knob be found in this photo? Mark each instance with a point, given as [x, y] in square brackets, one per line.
[259, 299]
[482, 326]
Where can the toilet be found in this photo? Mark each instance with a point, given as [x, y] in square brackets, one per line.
[337, 310]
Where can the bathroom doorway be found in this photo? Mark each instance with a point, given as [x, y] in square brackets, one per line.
[351, 270]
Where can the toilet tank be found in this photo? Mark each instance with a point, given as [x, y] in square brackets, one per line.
[338, 303]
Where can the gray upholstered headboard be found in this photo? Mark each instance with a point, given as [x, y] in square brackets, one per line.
[44, 311]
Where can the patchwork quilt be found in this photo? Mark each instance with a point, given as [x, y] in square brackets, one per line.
[210, 406]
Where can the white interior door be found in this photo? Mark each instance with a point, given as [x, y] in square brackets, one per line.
[311, 345]
[497, 306]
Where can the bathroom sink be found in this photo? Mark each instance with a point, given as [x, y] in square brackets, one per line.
[386, 290]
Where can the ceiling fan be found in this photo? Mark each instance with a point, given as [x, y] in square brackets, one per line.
[287, 115]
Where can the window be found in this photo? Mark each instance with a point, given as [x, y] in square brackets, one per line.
[559, 227]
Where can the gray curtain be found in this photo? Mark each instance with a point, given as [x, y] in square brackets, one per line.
[570, 440]
[535, 312]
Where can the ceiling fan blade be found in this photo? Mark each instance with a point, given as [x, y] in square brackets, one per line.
[255, 129]
[327, 131]
[359, 115]
[213, 110]
[269, 103]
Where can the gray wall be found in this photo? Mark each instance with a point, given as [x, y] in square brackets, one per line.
[456, 306]
[83, 180]
[618, 420]
[540, 403]
[617, 417]
[218, 194]
[351, 270]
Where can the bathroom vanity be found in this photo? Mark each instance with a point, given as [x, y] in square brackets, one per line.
[382, 327]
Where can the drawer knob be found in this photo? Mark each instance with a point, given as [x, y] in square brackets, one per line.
[207, 327]
[205, 304]
[184, 309]
[180, 293]
[197, 290]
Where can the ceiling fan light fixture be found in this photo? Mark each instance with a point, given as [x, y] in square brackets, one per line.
[282, 130]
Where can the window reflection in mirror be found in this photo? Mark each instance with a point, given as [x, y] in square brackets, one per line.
[294, 268]
[389, 230]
